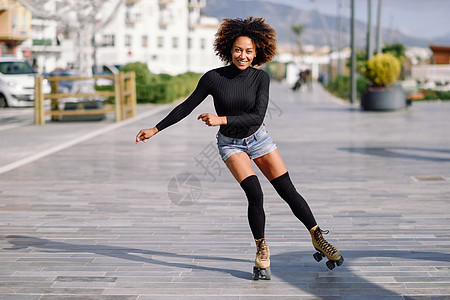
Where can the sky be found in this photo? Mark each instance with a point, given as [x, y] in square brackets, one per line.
[418, 18]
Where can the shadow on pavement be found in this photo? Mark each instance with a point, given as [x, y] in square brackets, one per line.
[21, 242]
[435, 155]
[296, 268]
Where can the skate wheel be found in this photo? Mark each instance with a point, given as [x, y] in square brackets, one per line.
[255, 275]
[318, 256]
[340, 261]
[330, 265]
[265, 274]
[261, 274]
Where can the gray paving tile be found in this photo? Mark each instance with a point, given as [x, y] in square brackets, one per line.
[94, 221]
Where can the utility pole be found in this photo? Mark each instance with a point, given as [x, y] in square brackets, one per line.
[93, 41]
[339, 37]
[369, 30]
[379, 27]
[353, 57]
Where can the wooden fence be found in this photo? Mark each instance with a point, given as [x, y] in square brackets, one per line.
[124, 98]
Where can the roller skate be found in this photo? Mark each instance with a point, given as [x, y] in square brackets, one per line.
[325, 249]
[261, 270]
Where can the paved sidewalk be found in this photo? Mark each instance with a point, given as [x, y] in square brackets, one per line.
[87, 214]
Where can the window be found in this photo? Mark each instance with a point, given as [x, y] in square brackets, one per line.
[128, 41]
[108, 40]
[189, 43]
[16, 67]
[175, 42]
[144, 41]
[160, 42]
[14, 21]
[203, 43]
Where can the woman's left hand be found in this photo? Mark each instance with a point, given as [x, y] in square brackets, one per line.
[212, 120]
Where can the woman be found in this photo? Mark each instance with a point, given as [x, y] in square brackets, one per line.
[241, 96]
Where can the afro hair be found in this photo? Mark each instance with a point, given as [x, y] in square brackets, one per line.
[261, 33]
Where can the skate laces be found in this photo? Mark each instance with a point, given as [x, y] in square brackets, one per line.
[262, 249]
[322, 243]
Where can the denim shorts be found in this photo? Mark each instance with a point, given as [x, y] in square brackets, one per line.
[256, 145]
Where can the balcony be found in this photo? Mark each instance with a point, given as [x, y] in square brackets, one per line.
[166, 18]
[164, 22]
[132, 18]
[196, 3]
[203, 22]
[164, 2]
[14, 22]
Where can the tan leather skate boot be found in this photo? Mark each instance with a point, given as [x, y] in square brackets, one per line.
[261, 270]
[325, 249]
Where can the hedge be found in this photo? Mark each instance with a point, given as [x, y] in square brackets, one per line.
[160, 88]
[435, 95]
[340, 87]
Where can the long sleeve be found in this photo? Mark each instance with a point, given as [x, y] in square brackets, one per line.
[187, 106]
[240, 95]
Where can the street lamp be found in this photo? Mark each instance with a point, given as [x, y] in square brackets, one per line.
[353, 56]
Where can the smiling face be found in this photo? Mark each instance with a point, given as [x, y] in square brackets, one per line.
[243, 52]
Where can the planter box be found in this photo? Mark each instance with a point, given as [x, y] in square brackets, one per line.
[384, 98]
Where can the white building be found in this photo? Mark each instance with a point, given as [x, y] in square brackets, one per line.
[170, 36]
[42, 49]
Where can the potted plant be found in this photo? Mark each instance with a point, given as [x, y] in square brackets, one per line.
[382, 93]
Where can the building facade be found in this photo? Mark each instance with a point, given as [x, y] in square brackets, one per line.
[170, 36]
[15, 26]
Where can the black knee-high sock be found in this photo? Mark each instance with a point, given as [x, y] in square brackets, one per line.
[284, 187]
[255, 213]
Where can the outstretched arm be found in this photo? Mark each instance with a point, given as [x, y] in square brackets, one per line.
[179, 112]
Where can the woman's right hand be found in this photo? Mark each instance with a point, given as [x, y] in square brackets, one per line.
[145, 134]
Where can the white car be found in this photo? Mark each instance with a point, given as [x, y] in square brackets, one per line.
[17, 83]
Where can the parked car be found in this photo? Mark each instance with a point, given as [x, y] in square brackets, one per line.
[64, 86]
[106, 70]
[17, 82]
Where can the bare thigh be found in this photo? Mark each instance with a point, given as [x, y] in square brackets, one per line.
[271, 165]
[240, 166]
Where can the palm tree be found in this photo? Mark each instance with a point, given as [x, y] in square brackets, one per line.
[298, 29]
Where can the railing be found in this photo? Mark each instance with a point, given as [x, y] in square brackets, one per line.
[164, 2]
[124, 98]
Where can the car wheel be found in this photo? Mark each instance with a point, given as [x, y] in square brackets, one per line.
[3, 102]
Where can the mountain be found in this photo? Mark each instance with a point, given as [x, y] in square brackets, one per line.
[282, 17]
[443, 40]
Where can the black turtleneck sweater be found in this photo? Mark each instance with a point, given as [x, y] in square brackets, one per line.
[240, 95]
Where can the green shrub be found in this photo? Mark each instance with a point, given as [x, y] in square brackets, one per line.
[396, 49]
[160, 88]
[383, 69]
[141, 71]
[435, 95]
[106, 88]
[276, 70]
[340, 87]
[361, 59]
